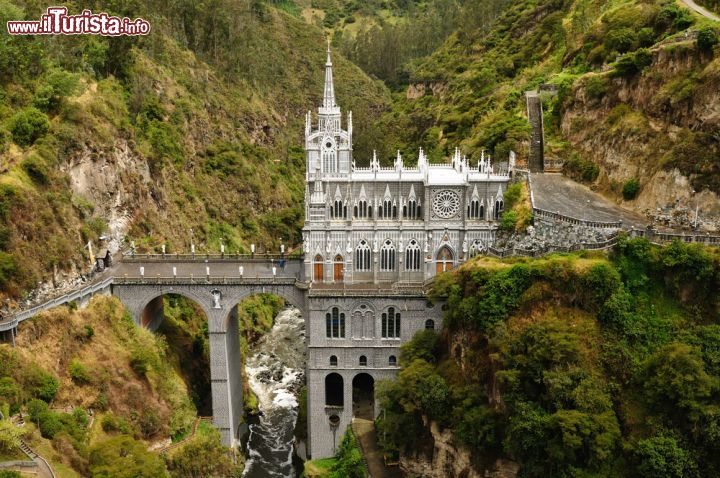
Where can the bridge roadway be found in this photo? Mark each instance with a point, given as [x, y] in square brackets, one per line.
[157, 267]
[218, 268]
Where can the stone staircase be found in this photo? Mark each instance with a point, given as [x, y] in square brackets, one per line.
[537, 140]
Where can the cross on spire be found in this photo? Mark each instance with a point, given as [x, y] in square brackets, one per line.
[329, 94]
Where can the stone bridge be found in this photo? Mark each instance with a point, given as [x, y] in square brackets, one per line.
[217, 285]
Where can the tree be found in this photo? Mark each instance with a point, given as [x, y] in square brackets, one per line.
[124, 457]
[674, 378]
[28, 125]
[663, 457]
[204, 455]
[9, 437]
[423, 345]
[707, 38]
[630, 189]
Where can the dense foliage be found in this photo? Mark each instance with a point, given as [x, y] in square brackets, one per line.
[572, 365]
[177, 131]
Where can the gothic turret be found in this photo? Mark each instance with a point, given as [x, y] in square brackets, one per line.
[329, 147]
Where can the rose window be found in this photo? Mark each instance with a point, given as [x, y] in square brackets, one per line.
[446, 204]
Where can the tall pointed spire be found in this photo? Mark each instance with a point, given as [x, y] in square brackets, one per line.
[329, 95]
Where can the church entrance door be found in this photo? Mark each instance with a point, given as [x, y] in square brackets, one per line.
[444, 260]
[338, 265]
[318, 268]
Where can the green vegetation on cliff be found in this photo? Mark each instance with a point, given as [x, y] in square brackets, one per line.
[161, 134]
[572, 365]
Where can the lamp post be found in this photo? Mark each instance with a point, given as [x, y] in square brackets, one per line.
[697, 206]
[192, 243]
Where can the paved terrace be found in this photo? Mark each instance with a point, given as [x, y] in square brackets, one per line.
[557, 194]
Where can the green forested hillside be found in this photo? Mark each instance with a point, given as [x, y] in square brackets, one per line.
[196, 126]
[628, 74]
[572, 366]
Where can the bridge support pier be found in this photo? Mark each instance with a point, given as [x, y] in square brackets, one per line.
[226, 377]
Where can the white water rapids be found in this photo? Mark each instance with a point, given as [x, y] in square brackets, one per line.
[275, 371]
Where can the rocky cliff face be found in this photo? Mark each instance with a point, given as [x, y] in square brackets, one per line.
[450, 460]
[661, 128]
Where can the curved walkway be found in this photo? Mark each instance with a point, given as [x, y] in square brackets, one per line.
[701, 10]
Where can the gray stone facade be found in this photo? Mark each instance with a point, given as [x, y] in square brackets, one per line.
[360, 341]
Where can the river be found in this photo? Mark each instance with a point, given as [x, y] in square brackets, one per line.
[275, 370]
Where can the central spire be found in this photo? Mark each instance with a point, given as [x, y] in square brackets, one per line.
[329, 95]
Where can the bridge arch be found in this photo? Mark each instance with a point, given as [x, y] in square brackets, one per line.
[218, 300]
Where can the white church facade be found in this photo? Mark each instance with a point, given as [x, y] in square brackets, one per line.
[399, 223]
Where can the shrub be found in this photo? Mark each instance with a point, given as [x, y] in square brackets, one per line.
[580, 168]
[28, 125]
[35, 408]
[10, 474]
[707, 38]
[9, 391]
[631, 64]
[59, 84]
[124, 456]
[9, 437]
[79, 373]
[423, 345]
[620, 41]
[512, 195]
[43, 385]
[646, 37]
[508, 220]
[349, 462]
[596, 87]
[663, 457]
[112, 423]
[36, 168]
[49, 424]
[630, 189]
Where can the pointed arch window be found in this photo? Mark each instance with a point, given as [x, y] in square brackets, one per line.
[412, 256]
[335, 324]
[498, 208]
[411, 210]
[387, 209]
[338, 209]
[362, 257]
[475, 210]
[392, 361]
[387, 257]
[391, 324]
[361, 210]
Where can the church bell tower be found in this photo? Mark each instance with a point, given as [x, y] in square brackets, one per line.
[328, 146]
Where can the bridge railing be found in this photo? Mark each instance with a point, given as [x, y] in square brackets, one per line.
[175, 280]
[11, 322]
[556, 216]
[259, 258]
[662, 237]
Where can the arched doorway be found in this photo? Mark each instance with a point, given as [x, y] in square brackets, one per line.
[338, 268]
[363, 386]
[334, 393]
[318, 268]
[444, 260]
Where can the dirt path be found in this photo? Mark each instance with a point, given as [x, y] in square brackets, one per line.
[365, 433]
[702, 11]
